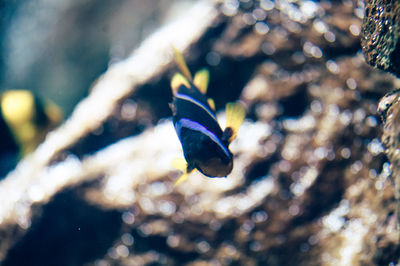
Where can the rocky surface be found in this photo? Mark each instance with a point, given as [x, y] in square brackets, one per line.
[389, 111]
[311, 184]
[380, 35]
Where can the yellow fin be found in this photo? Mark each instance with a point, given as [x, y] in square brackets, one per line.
[201, 79]
[235, 113]
[211, 103]
[18, 106]
[180, 61]
[179, 163]
[53, 112]
[182, 178]
[177, 80]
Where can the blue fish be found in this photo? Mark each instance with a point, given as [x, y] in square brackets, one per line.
[205, 145]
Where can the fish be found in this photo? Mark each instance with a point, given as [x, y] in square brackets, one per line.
[205, 145]
[25, 119]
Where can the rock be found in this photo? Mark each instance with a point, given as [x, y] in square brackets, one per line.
[379, 40]
[379, 35]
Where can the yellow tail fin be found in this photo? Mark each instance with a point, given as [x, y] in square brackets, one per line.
[180, 61]
[201, 79]
[235, 113]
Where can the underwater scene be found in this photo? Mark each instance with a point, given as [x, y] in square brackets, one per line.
[208, 132]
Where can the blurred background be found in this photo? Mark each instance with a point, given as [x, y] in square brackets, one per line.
[58, 48]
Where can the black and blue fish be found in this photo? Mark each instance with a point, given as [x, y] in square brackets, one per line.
[205, 145]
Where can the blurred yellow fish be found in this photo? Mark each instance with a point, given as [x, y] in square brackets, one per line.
[24, 122]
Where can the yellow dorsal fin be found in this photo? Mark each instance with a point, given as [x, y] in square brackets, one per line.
[177, 80]
[180, 61]
[201, 79]
[211, 103]
[235, 113]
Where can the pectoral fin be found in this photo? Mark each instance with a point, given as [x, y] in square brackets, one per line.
[235, 113]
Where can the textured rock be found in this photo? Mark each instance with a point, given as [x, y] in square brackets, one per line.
[380, 34]
[379, 40]
[389, 110]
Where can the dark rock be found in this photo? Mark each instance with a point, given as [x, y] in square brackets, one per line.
[380, 34]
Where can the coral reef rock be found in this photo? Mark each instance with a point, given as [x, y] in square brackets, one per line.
[380, 34]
